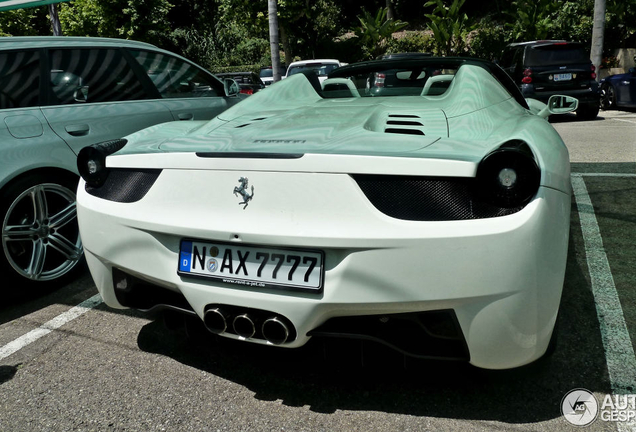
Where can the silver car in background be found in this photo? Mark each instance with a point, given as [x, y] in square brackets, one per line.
[58, 95]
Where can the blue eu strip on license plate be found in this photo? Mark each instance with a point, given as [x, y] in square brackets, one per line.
[252, 266]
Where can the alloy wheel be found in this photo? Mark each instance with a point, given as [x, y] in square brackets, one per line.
[40, 236]
[608, 97]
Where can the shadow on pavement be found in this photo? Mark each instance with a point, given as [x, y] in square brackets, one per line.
[21, 302]
[305, 377]
[7, 373]
[568, 118]
[604, 167]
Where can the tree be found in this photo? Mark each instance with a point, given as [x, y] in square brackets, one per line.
[390, 10]
[448, 25]
[620, 24]
[533, 19]
[130, 19]
[598, 33]
[305, 27]
[55, 20]
[273, 39]
[375, 30]
[25, 22]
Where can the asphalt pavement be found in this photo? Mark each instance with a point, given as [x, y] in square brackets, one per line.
[91, 368]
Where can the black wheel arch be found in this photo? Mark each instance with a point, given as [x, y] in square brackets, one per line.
[47, 172]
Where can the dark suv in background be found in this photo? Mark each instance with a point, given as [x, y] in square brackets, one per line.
[545, 68]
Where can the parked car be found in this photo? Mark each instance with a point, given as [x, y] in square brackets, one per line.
[544, 68]
[404, 55]
[249, 82]
[58, 95]
[266, 74]
[321, 67]
[619, 91]
[435, 224]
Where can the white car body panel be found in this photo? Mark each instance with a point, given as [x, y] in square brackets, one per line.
[501, 276]
[452, 255]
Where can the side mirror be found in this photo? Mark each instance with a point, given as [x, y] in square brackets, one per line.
[231, 87]
[559, 104]
[81, 94]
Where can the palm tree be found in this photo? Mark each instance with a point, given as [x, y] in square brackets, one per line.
[598, 34]
[273, 38]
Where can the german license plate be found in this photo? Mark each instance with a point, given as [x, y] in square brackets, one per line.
[252, 266]
[563, 77]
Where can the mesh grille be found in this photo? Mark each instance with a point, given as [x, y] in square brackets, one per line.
[125, 185]
[428, 198]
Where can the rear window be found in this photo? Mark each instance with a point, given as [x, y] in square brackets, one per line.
[266, 73]
[322, 69]
[241, 79]
[556, 55]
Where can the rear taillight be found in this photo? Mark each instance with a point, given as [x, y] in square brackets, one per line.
[527, 76]
[247, 91]
[379, 79]
[91, 161]
[508, 177]
[593, 74]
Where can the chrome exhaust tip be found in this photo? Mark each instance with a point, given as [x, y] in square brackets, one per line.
[275, 331]
[215, 320]
[244, 326]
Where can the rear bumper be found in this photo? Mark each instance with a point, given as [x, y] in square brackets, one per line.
[501, 277]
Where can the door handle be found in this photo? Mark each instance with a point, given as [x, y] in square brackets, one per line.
[186, 116]
[78, 129]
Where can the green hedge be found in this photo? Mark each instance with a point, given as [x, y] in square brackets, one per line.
[244, 68]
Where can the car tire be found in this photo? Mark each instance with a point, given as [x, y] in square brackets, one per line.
[608, 97]
[587, 112]
[41, 245]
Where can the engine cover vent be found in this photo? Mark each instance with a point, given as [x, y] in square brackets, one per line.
[409, 124]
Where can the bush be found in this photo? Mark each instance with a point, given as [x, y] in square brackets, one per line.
[575, 22]
[345, 48]
[25, 22]
[410, 41]
[239, 68]
[488, 42]
[192, 44]
[250, 51]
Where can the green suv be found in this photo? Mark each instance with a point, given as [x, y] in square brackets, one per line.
[58, 95]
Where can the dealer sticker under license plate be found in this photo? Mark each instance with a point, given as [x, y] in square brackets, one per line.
[563, 77]
[252, 266]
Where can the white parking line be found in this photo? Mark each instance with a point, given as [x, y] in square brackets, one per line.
[619, 351]
[49, 326]
[576, 174]
[621, 360]
[626, 121]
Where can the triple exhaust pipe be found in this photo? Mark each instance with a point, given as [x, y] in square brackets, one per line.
[274, 330]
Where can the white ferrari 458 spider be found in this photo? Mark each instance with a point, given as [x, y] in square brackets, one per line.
[422, 204]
